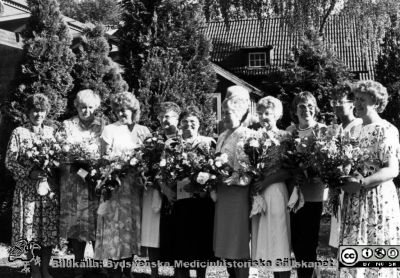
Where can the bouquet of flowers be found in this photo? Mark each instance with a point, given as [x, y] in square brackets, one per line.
[144, 162]
[151, 152]
[297, 158]
[337, 156]
[83, 157]
[181, 162]
[44, 155]
[110, 169]
[263, 150]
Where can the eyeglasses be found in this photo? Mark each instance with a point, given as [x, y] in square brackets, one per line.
[339, 102]
[304, 107]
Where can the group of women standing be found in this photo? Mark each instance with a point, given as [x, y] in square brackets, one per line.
[200, 226]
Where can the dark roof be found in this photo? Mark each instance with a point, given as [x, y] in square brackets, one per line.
[236, 80]
[22, 5]
[340, 32]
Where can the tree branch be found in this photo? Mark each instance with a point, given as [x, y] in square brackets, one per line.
[326, 16]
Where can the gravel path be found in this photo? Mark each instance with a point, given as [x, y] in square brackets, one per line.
[13, 270]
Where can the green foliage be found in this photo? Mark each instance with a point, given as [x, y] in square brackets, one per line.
[316, 69]
[166, 56]
[106, 12]
[47, 60]
[95, 70]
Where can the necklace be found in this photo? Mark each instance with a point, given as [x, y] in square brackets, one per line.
[304, 129]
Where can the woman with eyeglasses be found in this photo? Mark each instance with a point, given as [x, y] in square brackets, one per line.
[343, 106]
[306, 221]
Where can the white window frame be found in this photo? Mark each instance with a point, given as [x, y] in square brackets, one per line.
[260, 61]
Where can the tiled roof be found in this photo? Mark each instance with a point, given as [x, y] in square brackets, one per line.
[236, 80]
[340, 32]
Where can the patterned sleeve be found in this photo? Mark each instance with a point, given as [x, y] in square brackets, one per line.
[19, 171]
[388, 145]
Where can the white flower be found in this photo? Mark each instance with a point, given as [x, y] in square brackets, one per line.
[221, 160]
[163, 162]
[133, 161]
[203, 177]
[57, 147]
[66, 148]
[42, 187]
[254, 143]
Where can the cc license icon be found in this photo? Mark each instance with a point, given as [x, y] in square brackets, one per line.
[349, 256]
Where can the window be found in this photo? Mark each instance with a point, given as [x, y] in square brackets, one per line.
[257, 59]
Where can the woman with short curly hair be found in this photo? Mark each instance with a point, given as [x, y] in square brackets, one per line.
[118, 234]
[370, 214]
[306, 221]
[35, 217]
[78, 203]
[270, 233]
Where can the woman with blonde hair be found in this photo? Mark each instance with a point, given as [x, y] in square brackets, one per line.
[231, 220]
[270, 238]
[119, 221]
[78, 203]
[370, 214]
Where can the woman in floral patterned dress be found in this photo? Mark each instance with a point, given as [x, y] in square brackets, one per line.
[35, 217]
[78, 204]
[370, 214]
[118, 227]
